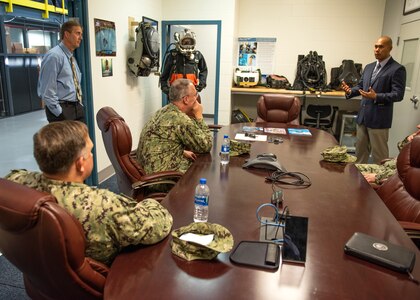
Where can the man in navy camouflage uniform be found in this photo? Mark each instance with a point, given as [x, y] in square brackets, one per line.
[375, 173]
[110, 222]
[171, 139]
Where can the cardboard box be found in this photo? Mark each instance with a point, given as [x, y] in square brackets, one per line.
[17, 48]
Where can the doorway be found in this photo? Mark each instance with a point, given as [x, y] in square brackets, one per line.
[208, 38]
[406, 112]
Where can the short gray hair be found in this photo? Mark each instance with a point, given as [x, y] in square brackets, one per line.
[179, 89]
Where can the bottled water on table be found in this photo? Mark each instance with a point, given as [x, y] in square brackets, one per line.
[201, 201]
[224, 152]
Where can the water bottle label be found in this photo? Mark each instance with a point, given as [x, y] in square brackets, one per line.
[225, 148]
[201, 200]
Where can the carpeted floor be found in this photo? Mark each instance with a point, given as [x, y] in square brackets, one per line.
[11, 280]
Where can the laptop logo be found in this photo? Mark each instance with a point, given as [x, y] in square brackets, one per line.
[380, 246]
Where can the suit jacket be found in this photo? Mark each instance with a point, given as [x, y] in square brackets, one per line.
[389, 86]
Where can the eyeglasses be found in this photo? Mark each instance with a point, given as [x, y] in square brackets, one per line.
[195, 95]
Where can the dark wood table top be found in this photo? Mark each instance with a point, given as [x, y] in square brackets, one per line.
[338, 203]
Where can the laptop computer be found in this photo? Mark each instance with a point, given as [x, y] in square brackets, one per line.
[380, 252]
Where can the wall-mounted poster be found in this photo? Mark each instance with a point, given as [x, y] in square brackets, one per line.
[106, 67]
[105, 38]
[257, 52]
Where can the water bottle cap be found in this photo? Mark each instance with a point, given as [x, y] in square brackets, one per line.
[225, 136]
[203, 180]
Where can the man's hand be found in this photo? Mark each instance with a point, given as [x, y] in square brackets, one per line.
[197, 111]
[370, 177]
[345, 87]
[190, 155]
[411, 136]
[371, 94]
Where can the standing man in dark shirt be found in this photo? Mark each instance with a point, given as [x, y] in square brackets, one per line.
[59, 83]
[382, 83]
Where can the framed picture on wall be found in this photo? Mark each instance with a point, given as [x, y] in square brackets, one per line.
[105, 38]
[411, 6]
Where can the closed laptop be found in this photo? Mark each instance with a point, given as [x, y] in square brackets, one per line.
[380, 252]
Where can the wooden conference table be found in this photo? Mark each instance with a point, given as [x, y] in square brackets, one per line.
[339, 203]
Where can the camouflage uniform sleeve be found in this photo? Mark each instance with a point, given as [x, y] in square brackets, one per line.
[145, 222]
[402, 143]
[196, 136]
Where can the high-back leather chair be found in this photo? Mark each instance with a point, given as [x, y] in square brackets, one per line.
[278, 108]
[401, 192]
[47, 244]
[132, 180]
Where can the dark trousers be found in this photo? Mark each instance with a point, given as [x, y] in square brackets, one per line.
[71, 111]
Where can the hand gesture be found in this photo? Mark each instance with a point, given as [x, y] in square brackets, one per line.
[370, 94]
[345, 87]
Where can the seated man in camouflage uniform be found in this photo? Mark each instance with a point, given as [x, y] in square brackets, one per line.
[110, 222]
[374, 173]
[171, 139]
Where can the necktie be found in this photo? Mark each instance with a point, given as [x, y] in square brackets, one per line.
[375, 72]
[76, 81]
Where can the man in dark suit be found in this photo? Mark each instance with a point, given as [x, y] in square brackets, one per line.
[382, 83]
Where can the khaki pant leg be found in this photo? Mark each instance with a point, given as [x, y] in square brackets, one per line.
[362, 144]
[379, 144]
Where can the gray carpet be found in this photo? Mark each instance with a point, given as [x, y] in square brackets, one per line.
[11, 280]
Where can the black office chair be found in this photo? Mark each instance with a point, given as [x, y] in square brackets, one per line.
[321, 116]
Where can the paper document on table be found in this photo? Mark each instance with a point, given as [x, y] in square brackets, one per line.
[197, 238]
[275, 130]
[258, 137]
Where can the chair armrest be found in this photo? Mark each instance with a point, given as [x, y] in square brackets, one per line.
[169, 177]
[215, 126]
[410, 226]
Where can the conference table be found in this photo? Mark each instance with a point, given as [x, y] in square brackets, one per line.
[338, 203]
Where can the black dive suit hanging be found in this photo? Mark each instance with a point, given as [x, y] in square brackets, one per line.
[311, 73]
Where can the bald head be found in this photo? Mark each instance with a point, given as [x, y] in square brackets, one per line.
[383, 47]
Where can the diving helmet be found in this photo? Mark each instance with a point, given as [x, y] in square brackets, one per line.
[185, 43]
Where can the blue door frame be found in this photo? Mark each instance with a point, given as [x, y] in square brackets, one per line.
[166, 24]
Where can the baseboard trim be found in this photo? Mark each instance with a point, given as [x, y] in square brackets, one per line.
[105, 173]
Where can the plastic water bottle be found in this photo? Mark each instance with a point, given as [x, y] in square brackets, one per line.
[201, 201]
[224, 153]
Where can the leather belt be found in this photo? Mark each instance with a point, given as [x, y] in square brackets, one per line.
[68, 102]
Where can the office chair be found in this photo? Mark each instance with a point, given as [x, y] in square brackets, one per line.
[278, 108]
[131, 178]
[47, 244]
[321, 116]
[401, 192]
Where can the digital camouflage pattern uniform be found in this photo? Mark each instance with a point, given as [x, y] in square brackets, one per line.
[165, 137]
[110, 221]
[384, 170]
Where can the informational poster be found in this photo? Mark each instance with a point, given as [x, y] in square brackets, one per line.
[105, 38]
[106, 64]
[257, 53]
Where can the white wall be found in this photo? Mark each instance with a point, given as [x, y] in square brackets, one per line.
[336, 29]
[134, 98]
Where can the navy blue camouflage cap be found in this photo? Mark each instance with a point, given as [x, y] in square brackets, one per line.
[222, 241]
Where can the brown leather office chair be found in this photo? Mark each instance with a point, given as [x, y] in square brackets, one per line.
[278, 108]
[131, 178]
[47, 244]
[401, 192]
